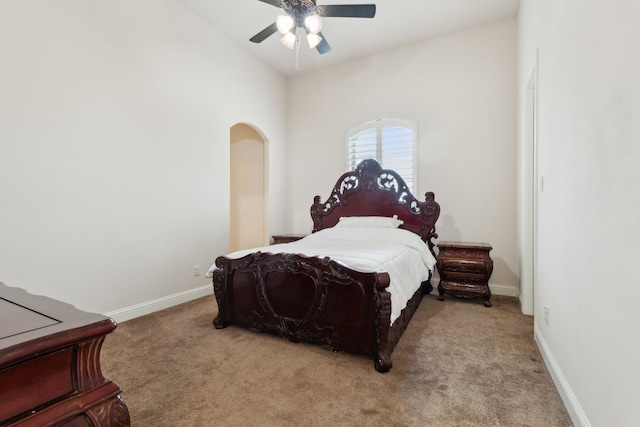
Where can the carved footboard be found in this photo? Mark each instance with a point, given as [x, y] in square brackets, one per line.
[309, 299]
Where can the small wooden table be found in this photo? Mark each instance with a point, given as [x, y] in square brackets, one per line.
[287, 238]
[50, 364]
[465, 269]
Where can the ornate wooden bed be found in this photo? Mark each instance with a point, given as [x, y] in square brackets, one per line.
[317, 300]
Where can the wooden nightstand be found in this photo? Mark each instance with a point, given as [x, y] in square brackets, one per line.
[465, 269]
[287, 238]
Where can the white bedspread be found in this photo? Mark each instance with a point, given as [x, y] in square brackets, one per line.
[401, 253]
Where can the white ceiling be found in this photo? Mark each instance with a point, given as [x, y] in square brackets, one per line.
[397, 23]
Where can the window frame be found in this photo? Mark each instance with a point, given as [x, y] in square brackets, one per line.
[378, 125]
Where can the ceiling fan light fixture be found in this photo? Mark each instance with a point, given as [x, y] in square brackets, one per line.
[289, 40]
[313, 23]
[284, 23]
[313, 40]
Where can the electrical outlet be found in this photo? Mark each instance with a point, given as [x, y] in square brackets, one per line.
[196, 270]
[546, 314]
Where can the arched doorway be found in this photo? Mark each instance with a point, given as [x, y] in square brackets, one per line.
[248, 215]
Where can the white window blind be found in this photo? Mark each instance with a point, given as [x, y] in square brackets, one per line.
[389, 141]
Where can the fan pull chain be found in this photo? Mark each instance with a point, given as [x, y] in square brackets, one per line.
[297, 52]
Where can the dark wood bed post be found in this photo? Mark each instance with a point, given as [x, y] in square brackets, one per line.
[218, 282]
[431, 212]
[383, 324]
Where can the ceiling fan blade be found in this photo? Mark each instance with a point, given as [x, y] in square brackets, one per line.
[347, 10]
[271, 29]
[323, 47]
[276, 3]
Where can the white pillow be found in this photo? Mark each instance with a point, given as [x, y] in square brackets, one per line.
[370, 221]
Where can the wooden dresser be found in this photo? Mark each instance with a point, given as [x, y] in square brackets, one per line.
[465, 269]
[50, 364]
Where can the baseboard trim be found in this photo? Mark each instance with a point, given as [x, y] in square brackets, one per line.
[504, 290]
[569, 399]
[149, 307]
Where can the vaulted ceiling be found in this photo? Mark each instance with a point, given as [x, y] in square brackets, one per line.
[397, 23]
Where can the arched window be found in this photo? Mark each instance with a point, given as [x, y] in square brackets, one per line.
[392, 142]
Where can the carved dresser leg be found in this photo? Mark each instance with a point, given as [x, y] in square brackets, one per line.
[112, 412]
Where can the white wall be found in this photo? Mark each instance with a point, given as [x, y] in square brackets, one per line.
[461, 90]
[114, 147]
[589, 233]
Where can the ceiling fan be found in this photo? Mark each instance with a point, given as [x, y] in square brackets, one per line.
[306, 15]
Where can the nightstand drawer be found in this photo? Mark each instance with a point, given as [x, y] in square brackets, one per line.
[461, 253]
[469, 284]
[466, 267]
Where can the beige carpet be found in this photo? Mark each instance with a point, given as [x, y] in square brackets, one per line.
[458, 364]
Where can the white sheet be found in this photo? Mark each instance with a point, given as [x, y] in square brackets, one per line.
[401, 253]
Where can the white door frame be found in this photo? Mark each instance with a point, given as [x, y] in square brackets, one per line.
[528, 200]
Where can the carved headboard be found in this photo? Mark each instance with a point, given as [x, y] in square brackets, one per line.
[373, 191]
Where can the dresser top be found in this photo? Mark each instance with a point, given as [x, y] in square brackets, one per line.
[464, 245]
[37, 323]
